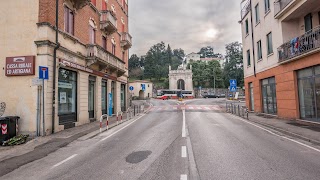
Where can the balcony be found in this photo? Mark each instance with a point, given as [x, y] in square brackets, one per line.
[299, 47]
[126, 40]
[246, 8]
[78, 4]
[108, 22]
[104, 59]
[280, 5]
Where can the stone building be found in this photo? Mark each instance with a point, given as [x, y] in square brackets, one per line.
[89, 75]
[180, 78]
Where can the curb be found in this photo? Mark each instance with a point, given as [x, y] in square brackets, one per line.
[291, 134]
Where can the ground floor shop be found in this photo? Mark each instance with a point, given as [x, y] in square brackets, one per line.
[290, 90]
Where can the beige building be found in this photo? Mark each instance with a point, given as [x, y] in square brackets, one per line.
[181, 78]
[89, 76]
[281, 52]
[192, 57]
[141, 89]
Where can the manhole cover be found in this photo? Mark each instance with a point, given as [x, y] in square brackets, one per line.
[137, 157]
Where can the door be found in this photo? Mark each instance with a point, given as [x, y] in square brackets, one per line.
[251, 97]
[104, 96]
[91, 100]
[113, 84]
[317, 94]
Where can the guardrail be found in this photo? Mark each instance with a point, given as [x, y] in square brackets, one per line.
[236, 109]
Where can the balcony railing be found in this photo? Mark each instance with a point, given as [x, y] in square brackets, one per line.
[108, 22]
[279, 5]
[126, 40]
[245, 9]
[104, 57]
[300, 45]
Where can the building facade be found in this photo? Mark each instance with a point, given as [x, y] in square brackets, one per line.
[89, 76]
[192, 57]
[141, 89]
[281, 55]
[181, 78]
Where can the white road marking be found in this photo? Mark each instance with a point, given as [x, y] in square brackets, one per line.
[58, 164]
[175, 107]
[190, 107]
[199, 107]
[120, 129]
[207, 108]
[184, 123]
[183, 177]
[183, 151]
[292, 140]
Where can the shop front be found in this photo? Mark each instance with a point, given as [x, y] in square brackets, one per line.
[91, 97]
[309, 93]
[269, 98]
[104, 95]
[67, 96]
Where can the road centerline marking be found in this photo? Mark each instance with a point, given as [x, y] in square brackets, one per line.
[183, 151]
[183, 177]
[184, 123]
[58, 164]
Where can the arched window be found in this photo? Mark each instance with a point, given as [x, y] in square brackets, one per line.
[92, 31]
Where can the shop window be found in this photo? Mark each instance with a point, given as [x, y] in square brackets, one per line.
[251, 96]
[113, 90]
[309, 93]
[67, 96]
[123, 97]
[104, 95]
[269, 98]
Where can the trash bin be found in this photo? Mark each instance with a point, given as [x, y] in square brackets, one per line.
[9, 125]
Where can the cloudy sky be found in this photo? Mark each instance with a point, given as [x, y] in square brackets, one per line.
[186, 24]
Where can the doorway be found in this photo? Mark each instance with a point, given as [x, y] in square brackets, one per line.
[181, 84]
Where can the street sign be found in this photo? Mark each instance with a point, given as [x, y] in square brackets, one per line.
[233, 82]
[131, 88]
[36, 82]
[200, 87]
[233, 88]
[43, 72]
[143, 87]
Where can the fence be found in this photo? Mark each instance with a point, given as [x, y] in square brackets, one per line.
[236, 109]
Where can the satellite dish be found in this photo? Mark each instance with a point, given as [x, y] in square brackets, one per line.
[2, 108]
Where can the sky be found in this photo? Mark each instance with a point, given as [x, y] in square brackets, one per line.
[186, 24]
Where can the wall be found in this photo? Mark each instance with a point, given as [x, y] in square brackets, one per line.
[17, 36]
[137, 87]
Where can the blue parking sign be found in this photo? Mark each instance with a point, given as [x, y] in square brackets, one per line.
[233, 82]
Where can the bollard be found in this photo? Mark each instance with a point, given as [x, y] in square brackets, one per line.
[107, 123]
[128, 111]
[134, 110]
[101, 119]
[117, 118]
[226, 107]
[121, 117]
[239, 110]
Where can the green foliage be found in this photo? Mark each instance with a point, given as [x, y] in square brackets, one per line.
[204, 74]
[233, 68]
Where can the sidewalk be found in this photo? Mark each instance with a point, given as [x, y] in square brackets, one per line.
[302, 130]
[60, 139]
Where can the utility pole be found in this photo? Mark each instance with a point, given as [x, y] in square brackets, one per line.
[214, 81]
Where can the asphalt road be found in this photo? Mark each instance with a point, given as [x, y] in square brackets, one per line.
[190, 140]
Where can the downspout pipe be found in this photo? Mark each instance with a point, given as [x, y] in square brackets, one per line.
[252, 37]
[55, 66]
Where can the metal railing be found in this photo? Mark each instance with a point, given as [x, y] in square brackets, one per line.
[245, 9]
[236, 109]
[279, 5]
[300, 45]
[94, 50]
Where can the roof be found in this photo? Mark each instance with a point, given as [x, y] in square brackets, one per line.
[140, 81]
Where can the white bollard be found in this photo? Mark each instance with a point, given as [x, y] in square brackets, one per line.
[101, 119]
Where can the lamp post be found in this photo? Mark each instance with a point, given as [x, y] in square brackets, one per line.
[214, 81]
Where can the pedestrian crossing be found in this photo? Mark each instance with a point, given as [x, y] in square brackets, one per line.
[186, 107]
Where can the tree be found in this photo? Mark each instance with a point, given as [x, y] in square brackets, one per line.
[179, 53]
[206, 52]
[233, 68]
[134, 62]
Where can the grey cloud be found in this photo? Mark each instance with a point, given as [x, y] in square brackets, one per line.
[183, 24]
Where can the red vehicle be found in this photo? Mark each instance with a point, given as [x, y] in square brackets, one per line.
[174, 94]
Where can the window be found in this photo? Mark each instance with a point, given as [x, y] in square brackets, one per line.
[257, 13]
[68, 20]
[248, 58]
[269, 43]
[267, 6]
[259, 50]
[92, 35]
[308, 23]
[122, 56]
[104, 42]
[104, 5]
[247, 27]
[113, 49]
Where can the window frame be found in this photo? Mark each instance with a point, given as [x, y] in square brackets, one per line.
[247, 26]
[68, 20]
[267, 6]
[269, 49]
[257, 13]
[259, 47]
[104, 42]
[248, 58]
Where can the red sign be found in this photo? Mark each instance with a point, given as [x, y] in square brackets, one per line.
[20, 66]
[4, 129]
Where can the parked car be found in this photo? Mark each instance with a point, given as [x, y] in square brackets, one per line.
[210, 96]
[222, 95]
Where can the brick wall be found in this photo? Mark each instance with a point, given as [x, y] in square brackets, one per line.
[81, 22]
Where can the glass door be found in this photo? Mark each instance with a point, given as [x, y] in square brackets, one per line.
[317, 93]
[104, 97]
[91, 97]
[251, 97]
